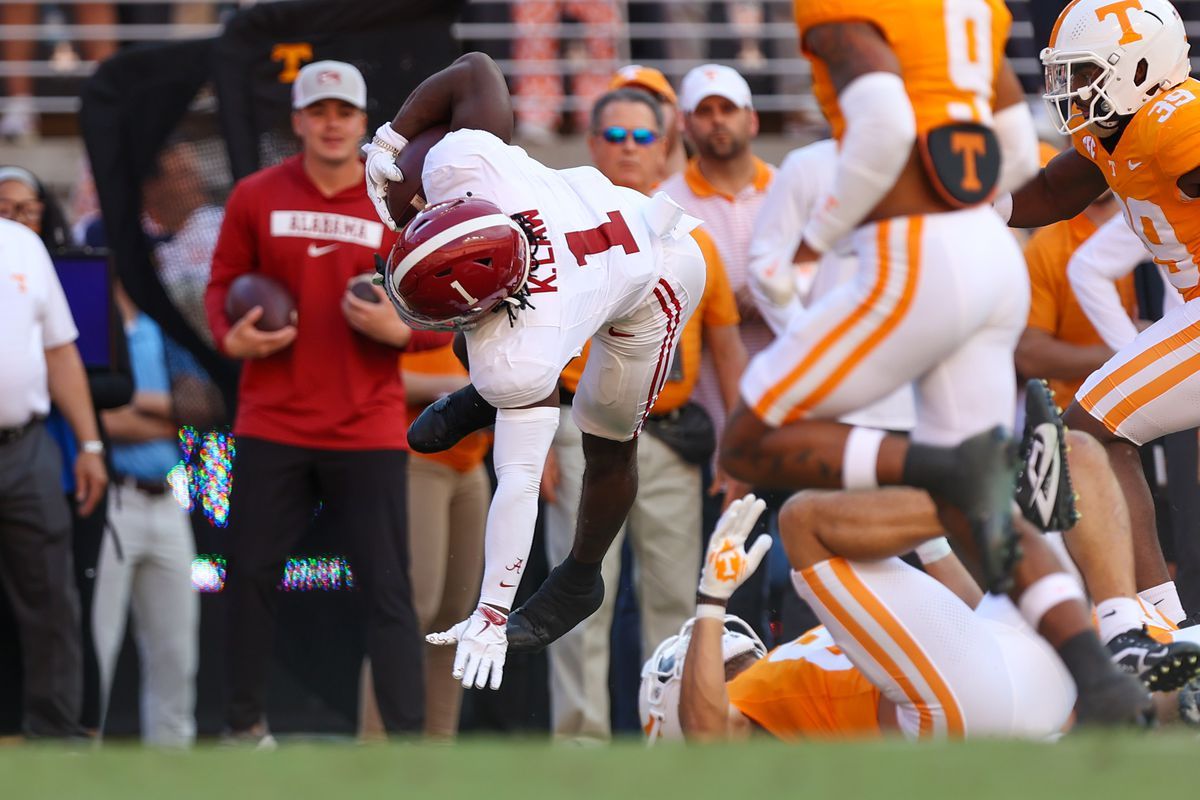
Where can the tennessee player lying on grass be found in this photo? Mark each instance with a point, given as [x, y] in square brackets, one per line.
[811, 688]
[1117, 83]
[715, 680]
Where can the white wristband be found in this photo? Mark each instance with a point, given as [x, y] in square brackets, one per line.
[710, 611]
[860, 457]
[1045, 594]
[933, 550]
[93, 446]
[387, 138]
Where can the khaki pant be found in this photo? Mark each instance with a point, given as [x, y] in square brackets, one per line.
[145, 567]
[665, 528]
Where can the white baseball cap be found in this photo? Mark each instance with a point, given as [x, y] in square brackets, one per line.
[708, 80]
[326, 80]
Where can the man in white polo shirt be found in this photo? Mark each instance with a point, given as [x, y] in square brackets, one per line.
[40, 363]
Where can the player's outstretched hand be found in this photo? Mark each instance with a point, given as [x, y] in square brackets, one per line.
[381, 169]
[728, 562]
[482, 647]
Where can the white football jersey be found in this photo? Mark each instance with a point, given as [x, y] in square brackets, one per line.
[596, 258]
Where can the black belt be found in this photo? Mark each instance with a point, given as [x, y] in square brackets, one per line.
[9, 435]
[152, 488]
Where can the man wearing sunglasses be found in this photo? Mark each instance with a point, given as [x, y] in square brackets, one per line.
[665, 520]
[648, 79]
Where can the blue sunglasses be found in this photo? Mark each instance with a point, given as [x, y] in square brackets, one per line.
[616, 134]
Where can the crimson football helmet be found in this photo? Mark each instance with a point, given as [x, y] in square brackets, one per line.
[454, 262]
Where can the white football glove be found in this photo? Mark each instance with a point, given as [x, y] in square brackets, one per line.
[381, 169]
[728, 562]
[482, 645]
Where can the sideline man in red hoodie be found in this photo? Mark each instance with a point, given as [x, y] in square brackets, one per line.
[321, 412]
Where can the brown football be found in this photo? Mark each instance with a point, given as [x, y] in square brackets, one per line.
[411, 161]
[252, 289]
[360, 287]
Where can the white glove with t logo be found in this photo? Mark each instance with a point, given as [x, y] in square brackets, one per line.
[482, 645]
[728, 562]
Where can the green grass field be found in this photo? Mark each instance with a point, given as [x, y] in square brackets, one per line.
[1126, 766]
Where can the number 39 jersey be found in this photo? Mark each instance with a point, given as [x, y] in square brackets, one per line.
[595, 259]
[1160, 143]
[949, 53]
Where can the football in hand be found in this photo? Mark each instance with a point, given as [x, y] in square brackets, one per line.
[361, 287]
[411, 162]
[252, 289]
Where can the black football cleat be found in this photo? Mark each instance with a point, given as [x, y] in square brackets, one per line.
[1044, 490]
[1116, 701]
[1161, 667]
[448, 420]
[553, 610]
[986, 465]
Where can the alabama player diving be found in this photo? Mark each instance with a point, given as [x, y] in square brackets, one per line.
[1117, 83]
[940, 300]
[530, 263]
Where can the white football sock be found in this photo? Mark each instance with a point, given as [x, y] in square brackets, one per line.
[1117, 615]
[1165, 598]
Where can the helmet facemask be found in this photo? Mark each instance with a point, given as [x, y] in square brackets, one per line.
[465, 318]
[1076, 94]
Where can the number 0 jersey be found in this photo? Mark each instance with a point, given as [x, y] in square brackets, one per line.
[1160, 143]
[949, 53]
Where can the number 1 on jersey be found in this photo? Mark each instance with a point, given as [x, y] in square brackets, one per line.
[604, 237]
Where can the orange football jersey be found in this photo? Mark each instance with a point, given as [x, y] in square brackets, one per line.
[1160, 144]
[808, 689]
[949, 53]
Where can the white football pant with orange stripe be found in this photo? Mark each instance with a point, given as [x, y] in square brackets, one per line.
[939, 300]
[952, 672]
[1151, 387]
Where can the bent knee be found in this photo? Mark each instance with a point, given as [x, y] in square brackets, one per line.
[800, 524]
[1084, 452]
[741, 447]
